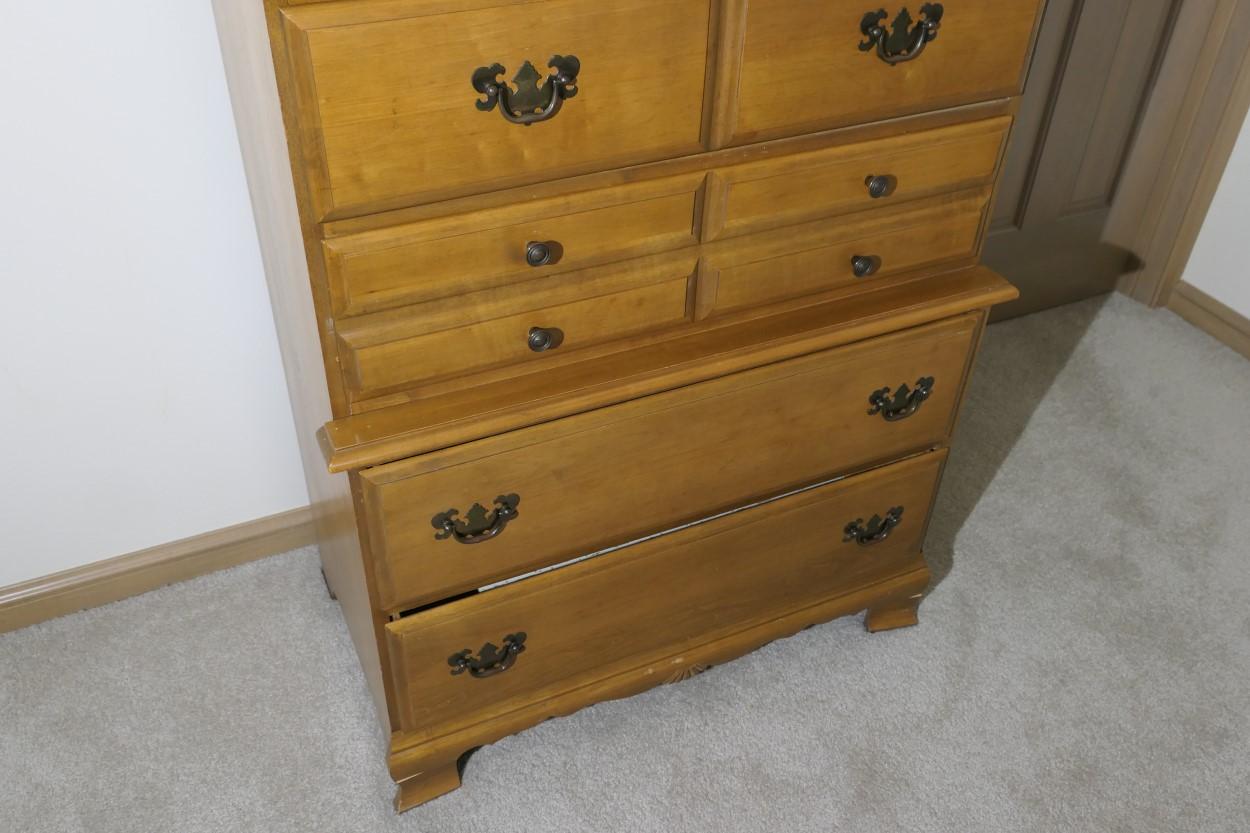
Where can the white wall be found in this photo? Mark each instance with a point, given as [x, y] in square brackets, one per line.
[1219, 266]
[141, 392]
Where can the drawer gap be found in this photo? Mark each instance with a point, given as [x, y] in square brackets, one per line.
[690, 525]
[395, 617]
[634, 542]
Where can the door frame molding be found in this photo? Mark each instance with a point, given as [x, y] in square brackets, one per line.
[1196, 111]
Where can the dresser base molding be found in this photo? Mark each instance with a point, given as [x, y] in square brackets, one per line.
[894, 614]
[426, 768]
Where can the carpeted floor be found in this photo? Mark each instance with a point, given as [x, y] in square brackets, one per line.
[1082, 665]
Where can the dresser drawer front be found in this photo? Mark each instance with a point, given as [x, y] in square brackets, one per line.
[605, 478]
[388, 112]
[476, 333]
[656, 599]
[857, 177]
[803, 68]
[450, 256]
[758, 271]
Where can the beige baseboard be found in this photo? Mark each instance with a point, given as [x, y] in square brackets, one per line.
[1211, 316]
[118, 578]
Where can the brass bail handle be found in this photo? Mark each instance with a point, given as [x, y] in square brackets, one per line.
[904, 39]
[527, 103]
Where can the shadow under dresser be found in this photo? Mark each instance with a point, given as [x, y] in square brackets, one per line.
[623, 336]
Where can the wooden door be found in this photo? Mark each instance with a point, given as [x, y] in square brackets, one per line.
[1089, 85]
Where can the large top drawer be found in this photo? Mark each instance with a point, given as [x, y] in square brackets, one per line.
[813, 65]
[387, 111]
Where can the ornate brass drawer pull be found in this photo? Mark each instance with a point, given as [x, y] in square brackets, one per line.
[491, 660]
[903, 41]
[479, 525]
[865, 266]
[528, 103]
[875, 531]
[903, 403]
[542, 339]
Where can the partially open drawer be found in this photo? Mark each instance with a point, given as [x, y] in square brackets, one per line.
[480, 657]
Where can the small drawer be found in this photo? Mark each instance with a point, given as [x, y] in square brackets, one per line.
[393, 102]
[449, 256]
[856, 177]
[808, 66]
[767, 268]
[515, 326]
[455, 520]
[480, 657]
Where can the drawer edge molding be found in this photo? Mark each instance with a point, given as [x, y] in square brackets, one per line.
[412, 428]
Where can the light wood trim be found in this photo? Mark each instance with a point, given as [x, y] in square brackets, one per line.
[262, 135]
[723, 104]
[1212, 317]
[330, 16]
[113, 579]
[1201, 99]
[706, 285]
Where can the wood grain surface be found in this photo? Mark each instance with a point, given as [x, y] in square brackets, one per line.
[603, 478]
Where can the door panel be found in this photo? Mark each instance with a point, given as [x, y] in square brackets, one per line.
[1090, 82]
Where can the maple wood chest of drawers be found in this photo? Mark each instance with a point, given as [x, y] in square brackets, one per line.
[623, 336]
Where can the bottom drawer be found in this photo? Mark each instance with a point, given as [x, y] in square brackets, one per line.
[480, 657]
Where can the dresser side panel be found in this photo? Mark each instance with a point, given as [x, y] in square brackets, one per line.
[243, 33]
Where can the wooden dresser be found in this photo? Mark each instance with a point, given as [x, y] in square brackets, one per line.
[623, 336]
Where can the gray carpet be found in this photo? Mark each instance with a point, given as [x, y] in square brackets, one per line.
[1082, 665]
